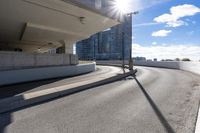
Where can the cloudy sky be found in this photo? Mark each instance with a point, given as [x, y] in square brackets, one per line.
[166, 29]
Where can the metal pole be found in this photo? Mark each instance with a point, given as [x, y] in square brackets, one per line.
[94, 56]
[130, 58]
[123, 62]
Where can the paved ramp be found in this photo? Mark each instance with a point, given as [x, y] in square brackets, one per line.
[157, 101]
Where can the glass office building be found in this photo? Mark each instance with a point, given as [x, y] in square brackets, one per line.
[110, 44]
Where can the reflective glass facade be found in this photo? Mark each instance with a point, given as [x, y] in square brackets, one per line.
[107, 45]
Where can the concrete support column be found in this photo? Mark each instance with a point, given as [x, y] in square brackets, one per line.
[68, 46]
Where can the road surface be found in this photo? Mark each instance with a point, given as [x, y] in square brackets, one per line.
[156, 101]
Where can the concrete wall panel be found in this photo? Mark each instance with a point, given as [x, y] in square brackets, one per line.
[49, 59]
[17, 60]
[6, 59]
[22, 59]
[162, 64]
[66, 60]
[26, 75]
[193, 67]
[73, 59]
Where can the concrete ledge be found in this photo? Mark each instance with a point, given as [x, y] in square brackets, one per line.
[161, 64]
[197, 128]
[16, 102]
[26, 75]
[193, 67]
[20, 60]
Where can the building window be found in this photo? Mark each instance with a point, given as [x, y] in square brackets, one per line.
[98, 4]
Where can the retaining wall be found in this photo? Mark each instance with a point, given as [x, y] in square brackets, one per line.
[20, 60]
[190, 66]
[32, 74]
[186, 66]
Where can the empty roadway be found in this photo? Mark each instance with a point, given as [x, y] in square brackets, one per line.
[157, 101]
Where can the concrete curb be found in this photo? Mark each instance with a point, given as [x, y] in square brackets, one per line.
[193, 67]
[34, 74]
[197, 129]
[16, 102]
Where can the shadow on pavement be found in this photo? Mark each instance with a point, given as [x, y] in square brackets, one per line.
[159, 114]
[19, 88]
[12, 90]
[6, 117]
[5, 120]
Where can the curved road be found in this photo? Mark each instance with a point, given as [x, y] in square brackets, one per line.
[156, 101]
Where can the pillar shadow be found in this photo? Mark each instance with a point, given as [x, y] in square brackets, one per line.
[15, 89]
[19, 88]
[159, 114]
[5, 120]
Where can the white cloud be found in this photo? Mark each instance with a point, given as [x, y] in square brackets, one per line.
[145, 24]
[167, 51]
[154, 43]
[176, 13]
[161, 33]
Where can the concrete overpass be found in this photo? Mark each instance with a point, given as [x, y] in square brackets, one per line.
[39, 25]
[33, 27]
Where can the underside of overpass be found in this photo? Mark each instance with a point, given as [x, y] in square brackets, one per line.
[31, 29]
[39, 25]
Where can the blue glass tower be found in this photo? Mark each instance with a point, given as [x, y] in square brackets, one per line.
[109, 44]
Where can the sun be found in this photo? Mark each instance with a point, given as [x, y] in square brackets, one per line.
[121, 5]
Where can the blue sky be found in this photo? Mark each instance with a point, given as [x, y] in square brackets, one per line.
[166, 29]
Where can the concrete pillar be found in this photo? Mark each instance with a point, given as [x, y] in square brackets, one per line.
[68, 46]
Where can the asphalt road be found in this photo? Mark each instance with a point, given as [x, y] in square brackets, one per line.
[157, 101]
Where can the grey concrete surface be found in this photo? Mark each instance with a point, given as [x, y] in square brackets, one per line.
[193, 67]
[33, 74]
[157, 101]
[197, 129]
[33, 24]
[19, 60]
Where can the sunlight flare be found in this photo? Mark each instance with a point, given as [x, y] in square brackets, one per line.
[121, 5]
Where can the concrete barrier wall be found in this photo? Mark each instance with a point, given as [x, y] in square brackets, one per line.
[162, 64]
[193, 67]
[110, 62]
[17, 60]
[186, 66]
[190, 66]
[26, 75]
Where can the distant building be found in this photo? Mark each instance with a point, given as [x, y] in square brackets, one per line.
[149, 60]
[167, 60]
[108, 44]
[155, 59]
[139, 59]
